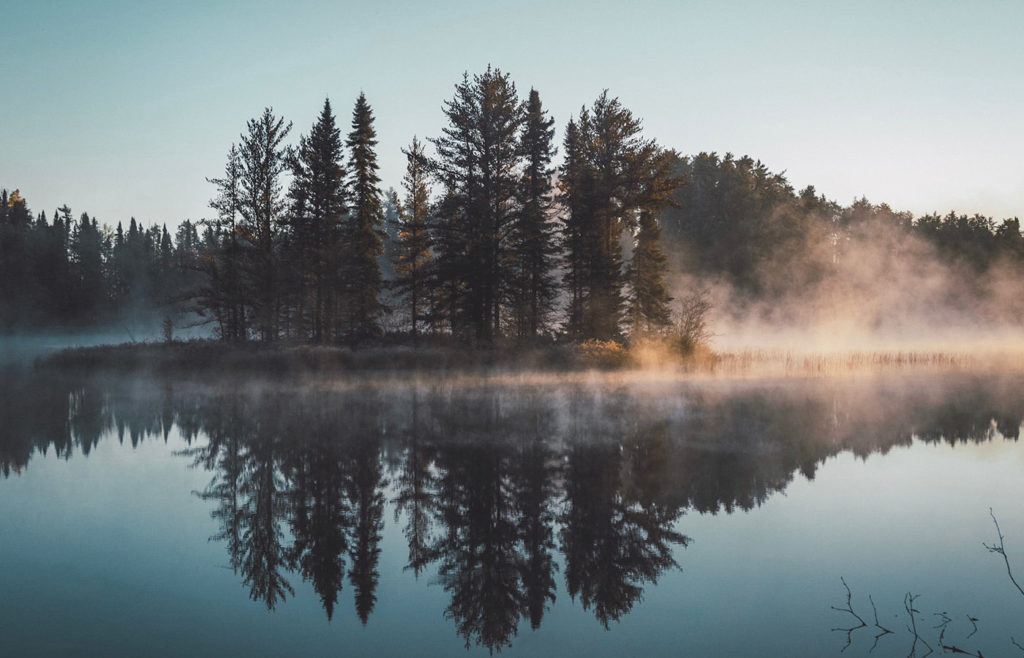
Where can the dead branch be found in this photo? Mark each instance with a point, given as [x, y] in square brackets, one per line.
[908, 604]
[883, 629]
[1001, 550]
[849, 609]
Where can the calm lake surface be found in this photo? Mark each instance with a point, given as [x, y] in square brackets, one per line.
[589, 515]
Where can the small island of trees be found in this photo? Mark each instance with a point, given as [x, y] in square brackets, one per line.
[486, 240]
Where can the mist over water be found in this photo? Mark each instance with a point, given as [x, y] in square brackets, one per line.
[507, 512]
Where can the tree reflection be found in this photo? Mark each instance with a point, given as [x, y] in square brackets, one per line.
[320, 515]
[493, 487]
[617, 534]
[367, 501]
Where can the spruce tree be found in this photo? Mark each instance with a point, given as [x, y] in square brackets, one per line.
[318, 197]
[574, 191]
[364, 234]
[533, 285]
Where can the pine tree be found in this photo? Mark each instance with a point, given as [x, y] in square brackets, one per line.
[263, 158]
[225, 296]
[574, 192]
[364, 234]
[318, 205]
[533, 285]
[610, 177]
[413, 241]
[477, 163]
[451, 234]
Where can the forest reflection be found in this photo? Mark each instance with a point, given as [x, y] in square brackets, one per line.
[504, 494]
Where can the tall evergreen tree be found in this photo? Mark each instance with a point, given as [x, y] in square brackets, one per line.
[575, 183]
[610, 175]
[263, 158]
[318, 196]
[456, 170]
[225, 296]
[477, 163]
[366, 219]
[413, 241]
[533, 286]
[87, 270]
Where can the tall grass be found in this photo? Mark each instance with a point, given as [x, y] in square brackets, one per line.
[787, 363]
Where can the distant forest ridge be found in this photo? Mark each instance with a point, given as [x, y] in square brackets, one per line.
[487, 240]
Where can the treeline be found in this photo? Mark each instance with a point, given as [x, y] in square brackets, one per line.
[481, 244]
[486, 238]
[68, 272]
[476, 247]
[737, 221]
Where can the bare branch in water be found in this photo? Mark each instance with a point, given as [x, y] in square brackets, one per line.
[849, 609]
[883, 630]
[908, 604]
[974, 622]
[1001, 550]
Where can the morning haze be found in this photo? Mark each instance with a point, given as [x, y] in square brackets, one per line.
[546, 329]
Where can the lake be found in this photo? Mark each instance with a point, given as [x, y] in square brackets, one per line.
[601, 515]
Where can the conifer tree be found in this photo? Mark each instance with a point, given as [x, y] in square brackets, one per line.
[263, 158]
[15, 223]
[455, 170]
[413, 241]
[574, 192]
[610, 176]
[318, 205]
[364, 234]
[478, 157]
[87, 268]
[649, 299]
[225, 296]
[533, 285]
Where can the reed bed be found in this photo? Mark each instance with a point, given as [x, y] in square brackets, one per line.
[787, 363]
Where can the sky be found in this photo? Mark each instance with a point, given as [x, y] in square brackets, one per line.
[124, 108]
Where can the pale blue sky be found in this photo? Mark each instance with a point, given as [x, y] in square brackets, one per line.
[122, 108]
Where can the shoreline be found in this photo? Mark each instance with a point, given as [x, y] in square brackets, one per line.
[650, 360]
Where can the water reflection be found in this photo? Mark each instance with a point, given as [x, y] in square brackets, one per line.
[507, 496]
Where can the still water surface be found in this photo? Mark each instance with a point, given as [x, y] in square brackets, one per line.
[588, 515]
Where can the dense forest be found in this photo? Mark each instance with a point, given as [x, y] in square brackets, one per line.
[487, 239]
